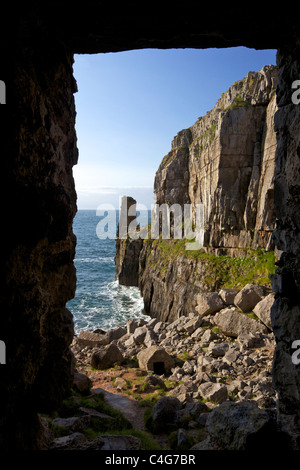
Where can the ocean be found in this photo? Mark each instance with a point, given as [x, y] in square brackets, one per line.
[99, 302]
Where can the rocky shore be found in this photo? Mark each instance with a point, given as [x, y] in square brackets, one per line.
[182, 374]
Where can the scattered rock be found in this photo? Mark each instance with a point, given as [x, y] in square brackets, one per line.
[87, 338]
[70, 442]
[263, 310]
[115, 333]
[139, 334]
[233, 323]
[208, 303]
[222, 354]
[214, 392]
[231, 426]
[106, 357]
[248, 297]
[228, 295]
[81, 382]
[155, 359]
[111, 442]
[164, 413]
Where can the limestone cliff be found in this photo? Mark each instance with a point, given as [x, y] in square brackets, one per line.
[225, 161]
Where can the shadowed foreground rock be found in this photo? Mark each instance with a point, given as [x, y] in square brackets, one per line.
[241, 426]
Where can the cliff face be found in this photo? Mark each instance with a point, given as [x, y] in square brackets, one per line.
[225, 161]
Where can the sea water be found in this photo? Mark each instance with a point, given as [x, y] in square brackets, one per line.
[99, 302]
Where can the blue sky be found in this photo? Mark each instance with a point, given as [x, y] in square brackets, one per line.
[131, 104]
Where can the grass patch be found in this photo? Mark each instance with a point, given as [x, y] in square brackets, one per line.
[71, 407]
[215, 272]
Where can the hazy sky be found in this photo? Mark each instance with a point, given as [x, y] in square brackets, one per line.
[131, 104]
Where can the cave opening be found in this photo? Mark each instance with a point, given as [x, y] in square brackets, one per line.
[129, 106]
[159, 368]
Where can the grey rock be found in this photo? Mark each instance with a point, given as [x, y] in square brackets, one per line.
[209, 303]
[87, 338]
[231, 425]
[112, 442]
[263, 310]
[248, 297]
[214, 392]
[231, 356]
[72, 424]
[106, 357]
[218, 349]
[249, 340]
[81, 382]
[164, 412]
[139, 334]
[228, 295]
[155, 359]
[233, 323]
[72, 441]
[131, 325]
[155, 380]
[115, 333]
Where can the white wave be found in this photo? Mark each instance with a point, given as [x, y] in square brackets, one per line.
[100, 259]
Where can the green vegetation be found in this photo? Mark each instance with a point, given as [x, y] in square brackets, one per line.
[71, 407]
[238, 102]
[117, 425]
[215, 271]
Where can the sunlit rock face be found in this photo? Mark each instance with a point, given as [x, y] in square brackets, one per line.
[226, 161]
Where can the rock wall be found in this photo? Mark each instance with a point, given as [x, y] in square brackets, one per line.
[38, 149]
[225, 161]
[286, 282]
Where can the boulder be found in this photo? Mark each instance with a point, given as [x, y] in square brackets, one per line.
[115, 333]
[231, 356]
[209, 303]
[249, 340]
[155, 381]
[233, 323]
[192, 325]
[217, 349]
[82, 383]
[131, 325]
[69, 442]
[139, 334]
[164, 413]
[126, 442]
[231, 426]
[263, 310]
[248, 297]
[87, 338]
[106, 357]
[73, 424]
[228, 295]
[214, 392]
[155, 359]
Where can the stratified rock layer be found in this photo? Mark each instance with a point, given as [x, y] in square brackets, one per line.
[225, 161]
